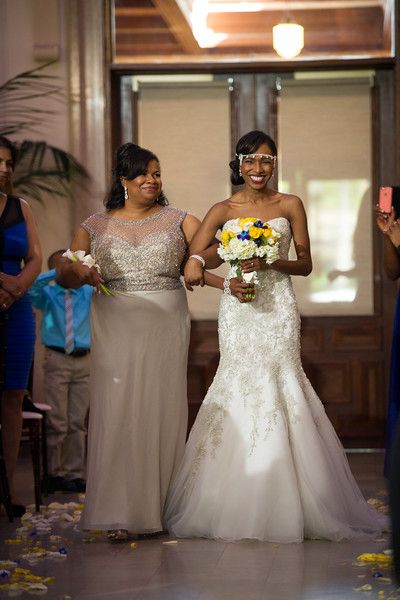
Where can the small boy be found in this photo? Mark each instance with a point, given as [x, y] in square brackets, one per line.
[65, 333]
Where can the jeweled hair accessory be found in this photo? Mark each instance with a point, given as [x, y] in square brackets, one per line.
[241, 157]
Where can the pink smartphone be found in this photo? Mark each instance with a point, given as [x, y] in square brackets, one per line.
[385, 199]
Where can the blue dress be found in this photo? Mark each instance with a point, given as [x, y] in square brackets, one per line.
[17, 324]
[394, 386]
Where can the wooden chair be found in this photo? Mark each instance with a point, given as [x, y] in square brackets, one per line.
[32, 424]
[42, 409]
[4, 487]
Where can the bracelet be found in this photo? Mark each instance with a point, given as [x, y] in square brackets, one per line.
[199, 258]
[227, 286]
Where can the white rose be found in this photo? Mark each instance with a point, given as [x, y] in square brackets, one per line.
[232, 225]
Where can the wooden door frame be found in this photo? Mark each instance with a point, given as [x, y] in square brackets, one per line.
[365, 341]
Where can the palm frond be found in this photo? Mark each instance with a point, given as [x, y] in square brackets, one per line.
[42, 168]
[16, 93]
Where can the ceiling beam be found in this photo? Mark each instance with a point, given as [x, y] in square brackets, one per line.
[293, 5]
[178, 25]
[388, 20]
[133, 11]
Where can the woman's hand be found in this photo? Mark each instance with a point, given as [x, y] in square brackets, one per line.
[389, 225]
[87, 275]
[384, 220]
[394, 233]
[253, 264]
[12, 284]
[6, 299]
[193, 273]
[244, 292]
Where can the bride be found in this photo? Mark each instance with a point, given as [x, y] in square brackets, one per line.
[263, 461]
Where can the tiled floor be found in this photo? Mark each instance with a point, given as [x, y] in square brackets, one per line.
[204, 569]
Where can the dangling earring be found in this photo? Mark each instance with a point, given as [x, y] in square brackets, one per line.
[240, 164]
[126, 195]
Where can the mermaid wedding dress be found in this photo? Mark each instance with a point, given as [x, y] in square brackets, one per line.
[263, 460]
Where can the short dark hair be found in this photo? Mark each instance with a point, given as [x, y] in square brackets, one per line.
[130, 162]
[248, 144]
[6, 143]
[53, 256]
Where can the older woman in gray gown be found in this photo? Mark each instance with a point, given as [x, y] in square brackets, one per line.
[140, 336]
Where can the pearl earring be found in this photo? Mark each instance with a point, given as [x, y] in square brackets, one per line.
[126, 195]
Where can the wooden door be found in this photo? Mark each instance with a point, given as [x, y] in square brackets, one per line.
[346, 356]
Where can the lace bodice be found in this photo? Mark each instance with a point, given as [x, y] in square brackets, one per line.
[265, 333]
[138, 255]
[282, 225]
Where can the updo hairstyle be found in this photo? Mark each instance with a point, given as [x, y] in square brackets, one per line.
[131, 161]
[249, 144]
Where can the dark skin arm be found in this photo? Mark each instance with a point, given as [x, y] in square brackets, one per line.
[241, 290]
[204, 245]
[390, 228]
[292, 208]
[14, 287]
[238, 288]
[75, 274]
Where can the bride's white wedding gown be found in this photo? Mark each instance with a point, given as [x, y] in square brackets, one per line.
[263, 460]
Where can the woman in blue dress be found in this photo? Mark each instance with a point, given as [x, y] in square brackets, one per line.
[20, 262]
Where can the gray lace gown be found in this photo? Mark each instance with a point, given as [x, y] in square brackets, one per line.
[140, 336]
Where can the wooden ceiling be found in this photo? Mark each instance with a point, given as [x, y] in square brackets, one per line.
[173, 31]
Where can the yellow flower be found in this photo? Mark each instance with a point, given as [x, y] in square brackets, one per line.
[255, 232]
[266, 232]
[378, 557]
[225, 237]
[242, 222]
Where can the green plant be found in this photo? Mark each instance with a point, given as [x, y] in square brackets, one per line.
[40, 168]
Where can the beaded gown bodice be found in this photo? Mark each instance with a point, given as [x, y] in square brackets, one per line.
[265, 333]
[145, 254]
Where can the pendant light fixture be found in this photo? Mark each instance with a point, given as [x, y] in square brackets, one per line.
[288, 38]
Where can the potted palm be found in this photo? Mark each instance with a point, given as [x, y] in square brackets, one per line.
[40, 168]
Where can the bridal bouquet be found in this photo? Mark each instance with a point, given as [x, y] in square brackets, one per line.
[88, 261]
[242, 239]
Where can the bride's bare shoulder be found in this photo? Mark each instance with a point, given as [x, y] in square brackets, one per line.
[290, 204]
[221, 209]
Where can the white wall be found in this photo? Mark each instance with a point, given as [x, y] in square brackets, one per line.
[19, 31]
[32, 32]
[187, 124]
